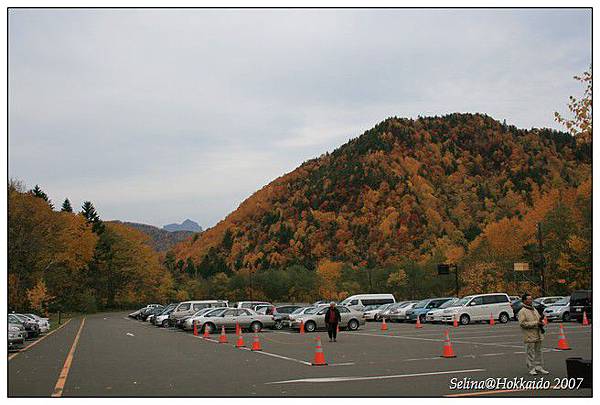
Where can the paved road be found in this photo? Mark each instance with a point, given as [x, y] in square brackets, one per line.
[116, 356]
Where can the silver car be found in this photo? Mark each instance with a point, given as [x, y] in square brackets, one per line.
[188, 324]
[435, 315]
[246, 318]
[315, 319]
[559, 310]
[398, 314]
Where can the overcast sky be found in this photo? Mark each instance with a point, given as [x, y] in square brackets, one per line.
[160, 115]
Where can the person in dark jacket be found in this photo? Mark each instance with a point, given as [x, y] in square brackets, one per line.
[332, 319]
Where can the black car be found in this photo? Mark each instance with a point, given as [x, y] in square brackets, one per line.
[282, 313]
[31, 327]
[518, 304]
[581, 301]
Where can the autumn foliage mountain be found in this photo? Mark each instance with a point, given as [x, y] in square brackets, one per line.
[462, 188]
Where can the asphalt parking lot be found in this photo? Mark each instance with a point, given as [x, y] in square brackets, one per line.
[118, 356]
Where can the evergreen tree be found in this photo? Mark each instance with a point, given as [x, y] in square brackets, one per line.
[92, 217]
[38, 192]
[66, 206]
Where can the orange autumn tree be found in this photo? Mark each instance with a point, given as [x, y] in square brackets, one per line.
[328, 275]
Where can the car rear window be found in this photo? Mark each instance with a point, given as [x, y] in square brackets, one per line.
[183, 307]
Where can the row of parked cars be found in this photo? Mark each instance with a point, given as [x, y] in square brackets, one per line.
[481, 307]
[252, 316]
[22, 327]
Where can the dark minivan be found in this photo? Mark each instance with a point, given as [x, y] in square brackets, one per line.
[581, 301]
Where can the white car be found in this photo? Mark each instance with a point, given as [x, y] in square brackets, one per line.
[43, 323]
[559, 311]
[435, 315]
[188, 324]
[372, 311]
[480, 307]
[399, 314]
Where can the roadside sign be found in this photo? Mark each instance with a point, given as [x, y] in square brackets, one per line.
[521, 266]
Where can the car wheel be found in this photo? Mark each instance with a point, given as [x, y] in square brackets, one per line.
[464, 319]
[278, 325]
[422, 318]
[209, 328]
[256, 326]
[165, 323]
[310, 326]
[503, 318]
[566, 317]
[353, 324]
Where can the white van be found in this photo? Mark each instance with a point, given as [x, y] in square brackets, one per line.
[358, 302]
[189, 308]
[480, 307]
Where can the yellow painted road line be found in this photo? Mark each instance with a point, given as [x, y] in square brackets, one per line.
[12, 356]
[62, 378]
[474, 394]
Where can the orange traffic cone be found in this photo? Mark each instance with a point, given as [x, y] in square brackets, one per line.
[223, 337]
[319, 356]
[240, 340]
[562, 341]
[418, 325]
[195, 328]
[238, 330]
[448, 352]
[302, 327]
[256, 343]
[492, 321]
[545, 320]
[585, 320]
[455, 322]
[206, 334]
[384, 326]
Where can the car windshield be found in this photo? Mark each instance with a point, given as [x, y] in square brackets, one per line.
[214, 312]
[451, 303]
[421, 304]
[298, 311]
[311, 310]
[372, 307]
[562, 302]
[203, 311]
[463, 301]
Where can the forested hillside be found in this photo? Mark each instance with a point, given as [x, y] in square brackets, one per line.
[159, 239]
[382, 210]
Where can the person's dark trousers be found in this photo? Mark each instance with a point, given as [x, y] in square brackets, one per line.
[332, 330]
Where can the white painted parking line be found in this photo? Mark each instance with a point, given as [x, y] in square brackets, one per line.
[306, 363]
[436, 340]
[378, 377]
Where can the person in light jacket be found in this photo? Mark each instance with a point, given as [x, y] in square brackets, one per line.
[533, 334]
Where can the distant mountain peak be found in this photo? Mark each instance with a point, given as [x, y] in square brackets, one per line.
[187, 225]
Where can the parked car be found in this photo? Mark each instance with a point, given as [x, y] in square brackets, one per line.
[360, 301]
[315, 319]
[547, 301]
[189, 308]
[559, 311]
[135, 314]
[370, 312]
[518, 304]
[250, 304]
[188, 322]
[31, 327]
[43, 323]
[16, 335]
[229, 317]
[436, 315]
[298, 312]
[153, 312]
[150, 311]
[580, 302]
[422, 307]
[398, 311]
[162, 319]
[480, 307]
[282, 314]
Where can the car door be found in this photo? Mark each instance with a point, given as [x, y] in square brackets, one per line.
[244, 318]
[345, 315]
[320, 318]
[229, 318]
[477, 309]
